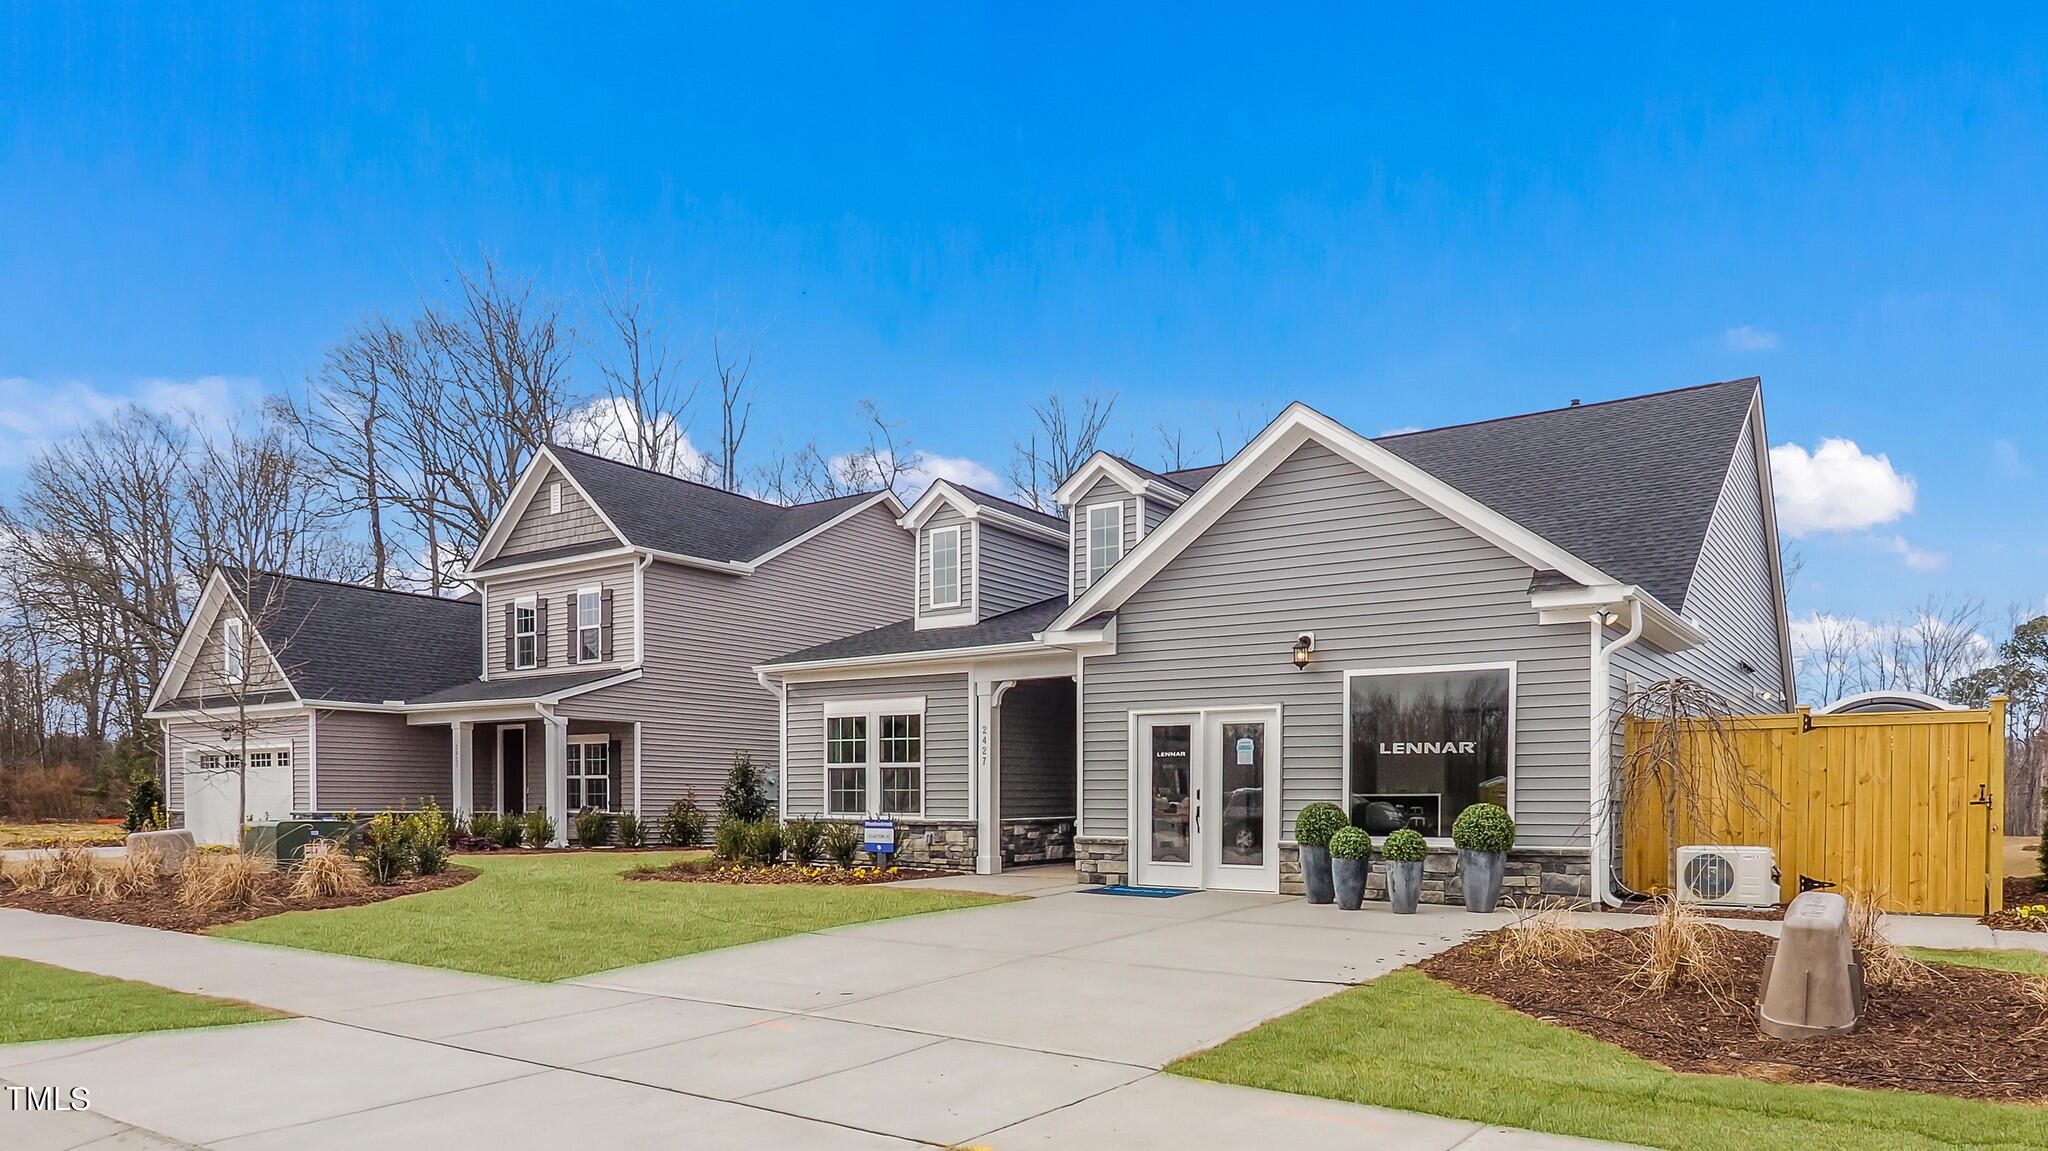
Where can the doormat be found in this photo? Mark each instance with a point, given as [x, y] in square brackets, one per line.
[1143, 892]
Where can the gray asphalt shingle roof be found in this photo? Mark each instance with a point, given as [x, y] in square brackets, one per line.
[668, 514]
[904, 638]
[354, 644]
[1021, 511]
[514, 687]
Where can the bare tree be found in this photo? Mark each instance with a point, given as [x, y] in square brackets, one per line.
[643, 416]
[735, 410]
[1173, 449]
[1064, 436]
[884, 460]
[342, 419]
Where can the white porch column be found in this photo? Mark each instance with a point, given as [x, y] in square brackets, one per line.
[556, 740]
[988, 839]
[463, 760]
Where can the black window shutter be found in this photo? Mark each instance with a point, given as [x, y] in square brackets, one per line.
[572, 622]
[540, 608]
[618, 776]
[607, 641]
[509, 642]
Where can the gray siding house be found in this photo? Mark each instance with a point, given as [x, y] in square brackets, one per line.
[605, 660]
[1403, 625]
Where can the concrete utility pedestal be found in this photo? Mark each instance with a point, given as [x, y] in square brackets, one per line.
[1813, 985]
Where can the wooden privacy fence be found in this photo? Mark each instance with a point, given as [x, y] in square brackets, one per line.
[1903, 805]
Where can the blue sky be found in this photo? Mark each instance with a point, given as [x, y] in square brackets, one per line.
[1405, 219]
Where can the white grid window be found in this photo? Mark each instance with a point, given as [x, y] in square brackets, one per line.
[902, 764]
[945, 555]
[590, 774]
[846, 765]
[525, 634]
[1105, 538]
[589, 625]
[258, 760]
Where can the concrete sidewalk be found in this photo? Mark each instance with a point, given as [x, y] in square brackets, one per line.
[1033, 1024]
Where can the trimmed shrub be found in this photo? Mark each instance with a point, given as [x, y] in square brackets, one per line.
[1318, 822]
[1483, 827]
[632, 833]
[388, 848]
[804, 836]
[590, 828]
[484, 825]
[511, 829]
[1350, 843]
[427, 831]
[683, 824]
[145, 801]
[1405, 846]
[537, 829]
[841, 843]
[765, 841]
[733, 840]
[745, 797]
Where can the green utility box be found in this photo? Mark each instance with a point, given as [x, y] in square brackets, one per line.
[286, 840]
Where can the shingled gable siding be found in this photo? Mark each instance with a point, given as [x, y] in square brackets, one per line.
[1732, 598]
[208, 674]
[557, 586]
[946, 752]
[698, 700]
[182, 736]
[1017, 570]
[945, 517]
[538, 529]
[1102, 491]
[373, 760]
[1384, 582]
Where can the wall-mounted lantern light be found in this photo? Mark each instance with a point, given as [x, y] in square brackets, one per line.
[1304, 648]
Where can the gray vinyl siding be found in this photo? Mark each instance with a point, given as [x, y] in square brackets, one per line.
[698, 699]
[945, 517]
[1035, 750]
[208, 673]
[1016, 570]
[183, 736]
[538, 529]
[1102, 491]
[556, 587]
[1155, 512]
[1384, 582]
[373, 760]
[946, 751]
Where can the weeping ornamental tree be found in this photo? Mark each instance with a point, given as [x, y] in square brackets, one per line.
[1682, 758]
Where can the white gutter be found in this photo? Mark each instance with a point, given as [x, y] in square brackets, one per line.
[1601, 744]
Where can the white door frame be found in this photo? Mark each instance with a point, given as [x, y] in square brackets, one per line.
[498, 765]
[1204, 867]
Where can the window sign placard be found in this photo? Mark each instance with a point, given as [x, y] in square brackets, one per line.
[1426, 745]
[878, 836]
[1247, 749]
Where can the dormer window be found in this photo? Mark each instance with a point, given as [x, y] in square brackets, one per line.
[555, 498]
[944, 545]
[234, 650]
[1105, 538]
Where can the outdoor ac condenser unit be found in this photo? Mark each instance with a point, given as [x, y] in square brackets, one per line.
[1727, 876]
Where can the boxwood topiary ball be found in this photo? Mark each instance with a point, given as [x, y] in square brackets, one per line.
[1483, 827]
[1350, 843]
[1405, 846]
[1318, 822]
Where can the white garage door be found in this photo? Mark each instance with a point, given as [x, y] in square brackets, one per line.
[212, 784]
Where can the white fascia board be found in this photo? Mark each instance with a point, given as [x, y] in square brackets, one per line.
[1760, 446]
[1098, 641]
[885, 498]
[522, 703]
[280, 708]
[1298, 425]
[828, 668]
[187, 651]
[1667, 629]
[943, 494]
[612, 553]
[523, 493]
[1103, 464]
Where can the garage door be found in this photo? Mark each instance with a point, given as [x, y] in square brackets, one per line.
[212, 785]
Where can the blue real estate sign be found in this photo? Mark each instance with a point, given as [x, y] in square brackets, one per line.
[878, 836]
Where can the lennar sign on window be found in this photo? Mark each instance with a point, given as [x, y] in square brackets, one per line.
[1462, 747]
[1425, 745]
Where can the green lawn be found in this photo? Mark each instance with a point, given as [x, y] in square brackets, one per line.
[42, 1002]
[2020, 962]
[1409, 1042]
[547, 917]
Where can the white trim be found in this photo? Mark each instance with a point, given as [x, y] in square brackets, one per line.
[637, 813]
[424, 713]
[580, 559]
[1088, 572]
[963, 655]
[943, 494]
[555, 497]
[312, 759]
[1760, 450]
[931, 557]
[590, 739]
[1296, 426]
[234, 651]
[1081, 748]
[1101, 465]
[872, 710]
[577, 626]
[530, 602]
[640, 609]
[196, 714]
[1344, 711]
[886, 498]
[186, 653]
[1274, 785]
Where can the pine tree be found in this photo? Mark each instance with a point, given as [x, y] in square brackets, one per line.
[145, 800]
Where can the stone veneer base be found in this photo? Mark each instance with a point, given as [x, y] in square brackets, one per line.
[1531, 875]
[1027, 842]
[1101, 860]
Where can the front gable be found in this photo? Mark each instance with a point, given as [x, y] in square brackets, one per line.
[555, 518]
[198, 667]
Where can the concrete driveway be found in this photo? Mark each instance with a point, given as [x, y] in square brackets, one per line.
[1032, 1024]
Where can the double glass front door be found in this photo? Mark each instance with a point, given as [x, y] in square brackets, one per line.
[1208, 790]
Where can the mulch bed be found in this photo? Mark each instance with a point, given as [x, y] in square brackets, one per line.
[1652, 907]
[813, 875]
[163, 911]
[466, 848]
[2020, 891]
[1959, 1031]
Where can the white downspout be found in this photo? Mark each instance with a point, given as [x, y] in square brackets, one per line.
[1601, 743]
[780, 690]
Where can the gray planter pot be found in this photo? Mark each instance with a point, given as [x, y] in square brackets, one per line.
[1349, 877]
[1482, 873]
[1404, 885]
[1315, 873]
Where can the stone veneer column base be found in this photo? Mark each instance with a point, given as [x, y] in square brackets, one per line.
[1101, 860]
[1031, 841]
[1531, 875]
[952, 848]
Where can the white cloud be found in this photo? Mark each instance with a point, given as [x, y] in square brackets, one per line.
[1749, 339]
[917, 472]
[2005, 457]
[36, 413]
[1836, 488]
[1401, 431]
[1919, 559]
[606, 426]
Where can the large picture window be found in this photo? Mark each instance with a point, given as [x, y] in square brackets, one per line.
[1426, 744]
[874, 757]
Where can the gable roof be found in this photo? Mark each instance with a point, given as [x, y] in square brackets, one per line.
[1057, 523]
[346, 643]
[978, 505]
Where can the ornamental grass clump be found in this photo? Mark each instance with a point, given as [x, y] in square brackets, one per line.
[72, 871]
[1544, 936]
[804, 837]
[537, 829]
[1484, 827]
[1884, 963]
[30, 874]
[841, 843]
[1317, 822]
[221, 880]
[1404, 845]
[137, 871]
[327, 875]
[1350, 843]
[1681, 948]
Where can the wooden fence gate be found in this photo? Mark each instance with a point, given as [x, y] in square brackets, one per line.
[1903, 805]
